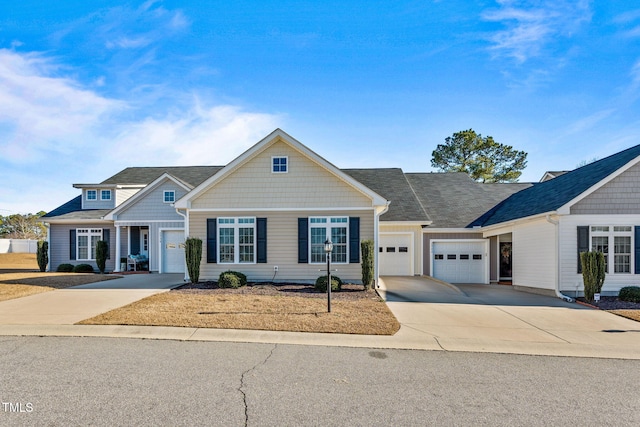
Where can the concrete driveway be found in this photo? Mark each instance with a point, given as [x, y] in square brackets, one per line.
[498, 318]
[71, 305]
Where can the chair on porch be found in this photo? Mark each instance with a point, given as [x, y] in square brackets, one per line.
[137, 262]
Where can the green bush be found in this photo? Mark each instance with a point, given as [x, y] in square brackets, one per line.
[231, 279]
[240, 276]
[193, 255]
[367, 263]
[83, 268]
[321, 283]
[65, 268]
[102, 252]
[593, 273]
[629, 293]
[43, 254]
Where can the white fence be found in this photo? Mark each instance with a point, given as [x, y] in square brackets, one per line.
[18, 246]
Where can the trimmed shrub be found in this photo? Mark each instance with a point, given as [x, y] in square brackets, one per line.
[42, 254]
[629, 293]
[193, 255]
[102, 252]
[240, 276]
[367, 263]
[593, 270]
[83, 268]
[65, 268]
[321, 283]
[230, 279]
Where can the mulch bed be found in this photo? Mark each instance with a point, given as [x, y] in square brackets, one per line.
[349, 292]
[612, 303]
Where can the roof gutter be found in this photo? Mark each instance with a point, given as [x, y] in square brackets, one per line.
[557, 281]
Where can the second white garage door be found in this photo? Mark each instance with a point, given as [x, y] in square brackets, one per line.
[460, 262]
[395, 254]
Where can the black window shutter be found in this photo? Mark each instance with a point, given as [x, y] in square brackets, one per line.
[72, 244]
[637, 248]
[135, 240]
[354, 240]
[212, 230]
[262, 240]
[106, 237]
[583, 243]
[303, 240]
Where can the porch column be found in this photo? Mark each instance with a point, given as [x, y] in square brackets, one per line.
[118, 255]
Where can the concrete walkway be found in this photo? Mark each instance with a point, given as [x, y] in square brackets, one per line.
[71, 305]
[434, 316]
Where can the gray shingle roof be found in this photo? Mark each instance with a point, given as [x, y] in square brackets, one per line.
[550, 195]
[192, 175]
[73, 210]
[454, 200]
[392, 184]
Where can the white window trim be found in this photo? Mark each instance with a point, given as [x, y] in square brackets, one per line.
[87, 195]
[236, 238]
[89, 232]
[327, 226]
[102, 194]
[610, 256]
[164, 196]
[280, 157]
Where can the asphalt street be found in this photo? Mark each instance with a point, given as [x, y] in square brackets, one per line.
[106, 381]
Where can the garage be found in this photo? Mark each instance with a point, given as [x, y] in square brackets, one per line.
[172, 242]
[395, 254]
[460, 261]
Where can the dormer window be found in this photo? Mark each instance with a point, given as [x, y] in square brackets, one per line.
[92, 194]
[105, 194]
[169, 196]
[279, 164]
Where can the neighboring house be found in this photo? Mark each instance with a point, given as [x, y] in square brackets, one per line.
[269, 211]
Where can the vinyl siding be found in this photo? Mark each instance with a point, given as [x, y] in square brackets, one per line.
[154, 238]
[151, 206]
[59, 246]
[306, 185]
[534, 255]
[417, 242]
[124, 194]
[620, 196]
[282, 247]
[570, 280]
[426, 245]
[97, 204]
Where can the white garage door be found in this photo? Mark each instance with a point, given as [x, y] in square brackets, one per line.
[173, 251]
[460, 262]
[395, 255]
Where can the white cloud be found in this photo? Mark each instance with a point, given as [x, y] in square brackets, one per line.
[530, 26]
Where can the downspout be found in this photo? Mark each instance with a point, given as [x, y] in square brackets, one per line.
[186, 227]
[557, 281]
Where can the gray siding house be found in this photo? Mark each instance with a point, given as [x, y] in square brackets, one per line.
[268, 212]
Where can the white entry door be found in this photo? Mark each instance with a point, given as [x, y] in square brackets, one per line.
[460, 262]
[173, 251]
[395, 254]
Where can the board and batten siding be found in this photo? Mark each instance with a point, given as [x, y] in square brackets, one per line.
[151, 206]
[417, 241]
[570, 279]
[282, 246]
[619, 197]
[426, 245]
[59, 248]
[305, 185]
[534, 255]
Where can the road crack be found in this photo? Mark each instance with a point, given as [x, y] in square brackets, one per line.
[242, 384]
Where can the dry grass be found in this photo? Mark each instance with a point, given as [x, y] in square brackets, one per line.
[629, 314]
[257, 312]
[20, 276]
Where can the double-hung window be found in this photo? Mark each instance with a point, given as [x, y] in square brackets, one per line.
[334, 229]
[236, 240]
[86, 243]
[620, 239]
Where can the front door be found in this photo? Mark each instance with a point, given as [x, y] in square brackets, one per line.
[144, 242]
[505, 260]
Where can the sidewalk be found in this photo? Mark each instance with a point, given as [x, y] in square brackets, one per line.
[454, 320]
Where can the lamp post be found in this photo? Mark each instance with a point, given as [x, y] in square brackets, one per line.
[328, 247]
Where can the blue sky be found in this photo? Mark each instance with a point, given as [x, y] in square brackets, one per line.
[90, 87]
